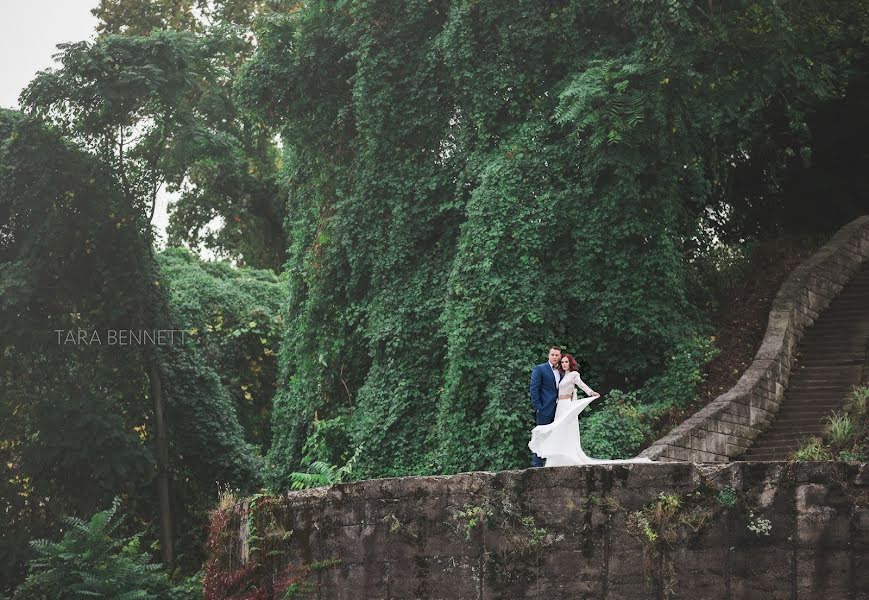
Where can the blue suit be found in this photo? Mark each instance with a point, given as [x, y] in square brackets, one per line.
[544, 396]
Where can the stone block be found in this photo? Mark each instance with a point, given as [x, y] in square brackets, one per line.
[352, 581]
[574, 574]
[737, 413]
[861, 575]
[759, 418]
[434, 578]
[717, 443]
[822, 527]
[629, 567]
[822, 574]
[700, 572]
[761, 572]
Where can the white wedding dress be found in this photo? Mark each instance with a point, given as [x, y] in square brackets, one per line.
[558, 442]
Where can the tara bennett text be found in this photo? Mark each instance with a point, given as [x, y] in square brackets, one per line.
[120, 337]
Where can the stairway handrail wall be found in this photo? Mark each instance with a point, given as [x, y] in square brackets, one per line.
[726, 427]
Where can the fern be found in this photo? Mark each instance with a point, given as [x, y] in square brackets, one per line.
[91, 562]
[322, 474]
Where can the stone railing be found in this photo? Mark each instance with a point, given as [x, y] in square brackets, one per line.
[669, 530]
[728, 425]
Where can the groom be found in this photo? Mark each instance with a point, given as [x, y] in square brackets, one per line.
[544, 393]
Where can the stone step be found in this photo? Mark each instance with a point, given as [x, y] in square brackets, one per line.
[803, 388]
[860, 290]
[806, 383]
[791, 435]
[803, 406]
[812, 399]
[837, 320]
[823, 385]
[855, 300]
[802, 393]
[815, 353]
[842, 320]
[773, 445]
[851, 342]
[794, 408]
[769, 445]
[848, 338]
[819, 359]
[765, 457]
[855, 305]
[830, 362]
[799, 420]
[858, 369]
[794, 423]
[812, 386]
[770, 454]
[809, 394]
[837, 342]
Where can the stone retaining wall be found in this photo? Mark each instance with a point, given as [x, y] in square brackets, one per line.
[767, 531]
[727, 426]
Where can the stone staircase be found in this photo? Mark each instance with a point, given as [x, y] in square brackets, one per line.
[829, 362]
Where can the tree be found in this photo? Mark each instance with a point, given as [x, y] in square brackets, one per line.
[132, 103]
[225, 168]
[234, 316]
[72, 258]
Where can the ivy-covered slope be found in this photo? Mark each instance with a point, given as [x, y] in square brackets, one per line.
[471, 181]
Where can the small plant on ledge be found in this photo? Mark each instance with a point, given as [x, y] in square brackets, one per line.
[848, 433]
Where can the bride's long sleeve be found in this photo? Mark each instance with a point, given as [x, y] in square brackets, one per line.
[583, 385]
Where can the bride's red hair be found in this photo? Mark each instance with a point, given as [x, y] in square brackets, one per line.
[571, 362]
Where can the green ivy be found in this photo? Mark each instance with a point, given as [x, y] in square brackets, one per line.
[471, 181]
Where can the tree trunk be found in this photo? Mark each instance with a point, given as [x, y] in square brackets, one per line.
[166, 548]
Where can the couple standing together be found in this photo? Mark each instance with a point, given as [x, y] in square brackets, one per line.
[553, 395]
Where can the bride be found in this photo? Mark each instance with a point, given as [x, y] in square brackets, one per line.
[558, 442]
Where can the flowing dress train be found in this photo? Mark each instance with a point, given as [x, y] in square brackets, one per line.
[559, 441]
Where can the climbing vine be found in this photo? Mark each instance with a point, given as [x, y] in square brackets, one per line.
[468, 182]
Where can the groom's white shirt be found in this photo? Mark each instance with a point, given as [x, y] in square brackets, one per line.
[557, 374]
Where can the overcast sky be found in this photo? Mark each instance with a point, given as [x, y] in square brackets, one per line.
[29, 32]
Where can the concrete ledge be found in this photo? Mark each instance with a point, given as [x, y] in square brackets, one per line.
[669, 530]
[755, 399]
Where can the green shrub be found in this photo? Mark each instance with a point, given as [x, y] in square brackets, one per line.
[727, 496]
[616, 430]
[812, 449]
[720, 270]
[683, 372]
[841, 427]
[329, 441]
[860, 454]
[91, 562]
[857, 398]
